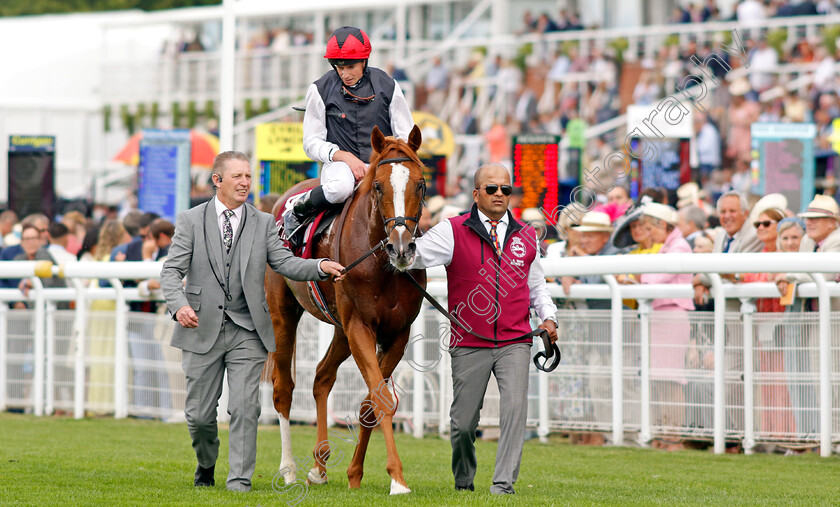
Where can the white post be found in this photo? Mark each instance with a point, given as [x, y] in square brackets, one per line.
[747, 310]
[443, 407]
[79, 333]
[825, 365]
[616, 325]
[38, 375]
[222, 415]
[325, 336]
[645, 434]
[49, 407]
[4, 338]
[120, 351]
[402, 33]
[720, 364]
[543, 429]
[418, 405]
[227, 76]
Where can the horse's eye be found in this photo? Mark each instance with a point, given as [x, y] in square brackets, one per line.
[377, 186]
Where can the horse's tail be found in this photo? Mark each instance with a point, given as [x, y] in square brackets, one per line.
[268, 367]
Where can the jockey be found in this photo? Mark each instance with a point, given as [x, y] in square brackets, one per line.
[342, 107]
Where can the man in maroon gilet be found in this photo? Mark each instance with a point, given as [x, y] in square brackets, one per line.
[494, 278]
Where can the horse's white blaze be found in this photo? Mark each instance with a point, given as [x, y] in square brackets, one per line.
[287, 459]
[399, 180]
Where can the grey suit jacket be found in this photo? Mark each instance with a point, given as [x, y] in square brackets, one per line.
[197, 244]
[744, 241]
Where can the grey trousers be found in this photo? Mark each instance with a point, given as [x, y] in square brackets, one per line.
[241, 352]
[471, 368]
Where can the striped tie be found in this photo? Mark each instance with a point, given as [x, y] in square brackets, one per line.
[495, 237]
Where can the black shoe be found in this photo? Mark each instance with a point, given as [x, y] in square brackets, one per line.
[465, 488]
[306, 207]
[204, 476]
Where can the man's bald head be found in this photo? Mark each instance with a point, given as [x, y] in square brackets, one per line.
[490, 170]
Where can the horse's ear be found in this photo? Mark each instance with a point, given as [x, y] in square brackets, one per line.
[415, 138]
[377, 140]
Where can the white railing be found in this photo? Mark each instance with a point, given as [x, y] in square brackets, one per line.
[624, 357]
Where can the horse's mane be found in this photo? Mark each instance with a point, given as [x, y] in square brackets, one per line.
[391, 144]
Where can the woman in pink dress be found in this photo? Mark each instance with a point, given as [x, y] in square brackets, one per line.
[670, 329]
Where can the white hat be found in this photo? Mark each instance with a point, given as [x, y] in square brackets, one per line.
[822, 206]
[449, 211]
[662, 212]
[436, 203]
[532, 216]
[688, 194]
[740, 87]
[769, 201]
[594, 221]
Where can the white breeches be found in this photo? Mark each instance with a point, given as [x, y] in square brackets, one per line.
[338, 181]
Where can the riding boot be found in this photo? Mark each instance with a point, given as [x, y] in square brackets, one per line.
[305, 207]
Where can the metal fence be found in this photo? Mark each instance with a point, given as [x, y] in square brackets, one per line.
[636, 374]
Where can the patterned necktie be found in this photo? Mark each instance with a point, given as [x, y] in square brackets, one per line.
[227, 229]
[726, 243]
[495, 237]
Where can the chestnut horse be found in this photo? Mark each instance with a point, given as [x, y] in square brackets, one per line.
[374, 303]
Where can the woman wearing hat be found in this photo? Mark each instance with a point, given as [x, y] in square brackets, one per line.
[775, 418]
[669, 329]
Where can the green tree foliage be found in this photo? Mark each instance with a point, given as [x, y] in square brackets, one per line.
[31, 7]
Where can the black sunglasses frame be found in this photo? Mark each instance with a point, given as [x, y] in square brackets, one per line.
[506, 189]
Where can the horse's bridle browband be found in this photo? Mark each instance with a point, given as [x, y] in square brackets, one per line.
[398, 221]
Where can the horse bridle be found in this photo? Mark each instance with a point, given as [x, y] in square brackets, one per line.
[398, 221]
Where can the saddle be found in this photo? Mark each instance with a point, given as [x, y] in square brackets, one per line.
[309, 231]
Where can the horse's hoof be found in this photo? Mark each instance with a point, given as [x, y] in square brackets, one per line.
[316, 477]
[289, 472]
[398, 489]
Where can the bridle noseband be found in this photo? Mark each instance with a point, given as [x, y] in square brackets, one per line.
[398, 221]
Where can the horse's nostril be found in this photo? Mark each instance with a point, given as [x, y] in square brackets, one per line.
[390, 249]
[412, 247]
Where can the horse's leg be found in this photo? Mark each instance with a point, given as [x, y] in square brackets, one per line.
[285, 315]
[325, 375]
[378, 406]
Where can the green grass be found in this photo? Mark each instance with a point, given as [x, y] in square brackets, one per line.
[52, 460]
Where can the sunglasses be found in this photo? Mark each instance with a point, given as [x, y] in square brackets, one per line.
[492, 189]
[766, 223]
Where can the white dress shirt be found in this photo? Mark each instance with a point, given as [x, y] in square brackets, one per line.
[435, 248]
[234, 219]
[315, 142]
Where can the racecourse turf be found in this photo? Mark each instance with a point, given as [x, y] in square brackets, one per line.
[57, 460]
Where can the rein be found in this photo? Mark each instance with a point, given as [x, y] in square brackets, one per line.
[551, 349]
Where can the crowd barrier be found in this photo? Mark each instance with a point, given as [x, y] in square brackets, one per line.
[747, 377]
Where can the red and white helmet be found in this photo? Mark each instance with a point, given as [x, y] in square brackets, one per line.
[347, 45]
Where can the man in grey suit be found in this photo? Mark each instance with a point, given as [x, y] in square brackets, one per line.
[222, 248]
